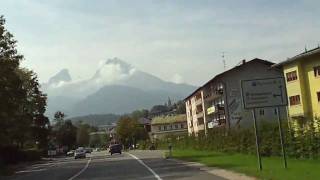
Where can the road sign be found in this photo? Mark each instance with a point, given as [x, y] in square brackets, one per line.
[258, 93]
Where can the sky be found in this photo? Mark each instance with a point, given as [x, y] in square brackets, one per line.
[177, 40]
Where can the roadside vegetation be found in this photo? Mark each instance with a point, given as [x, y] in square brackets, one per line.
[24, 127]
[235, 149]
[272, 166]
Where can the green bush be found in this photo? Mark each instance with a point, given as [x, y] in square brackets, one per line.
[302, 143]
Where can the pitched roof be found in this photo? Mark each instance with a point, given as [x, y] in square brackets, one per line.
[144, 121]
[268, 63]
[169, 119]
[299, 56]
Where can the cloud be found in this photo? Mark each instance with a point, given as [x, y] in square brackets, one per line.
[177, 78]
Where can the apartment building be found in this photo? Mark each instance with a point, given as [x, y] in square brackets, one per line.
[302, 73]
[218, 103]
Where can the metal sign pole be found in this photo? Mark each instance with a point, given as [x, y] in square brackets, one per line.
[257, 138]
[282, 139]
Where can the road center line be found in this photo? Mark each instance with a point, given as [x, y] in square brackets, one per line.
[26, 171]
[142, 163]
[82, 170]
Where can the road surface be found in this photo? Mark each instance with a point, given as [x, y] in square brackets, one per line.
[100, 165]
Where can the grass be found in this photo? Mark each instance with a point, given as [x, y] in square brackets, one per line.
[247, 164]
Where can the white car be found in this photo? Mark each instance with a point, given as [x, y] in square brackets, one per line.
[79, 153]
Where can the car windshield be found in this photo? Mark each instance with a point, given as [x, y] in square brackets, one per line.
[125, 89]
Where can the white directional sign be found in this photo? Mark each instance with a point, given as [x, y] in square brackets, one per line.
[258, 93]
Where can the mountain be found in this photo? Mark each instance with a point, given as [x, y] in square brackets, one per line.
[96, 119]
[115, 87]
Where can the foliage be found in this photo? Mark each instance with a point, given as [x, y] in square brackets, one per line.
[129, 131]
[137, 114]
[22, 105]
[64, 132]
[298, 169]
[83, 134]
[304, 143]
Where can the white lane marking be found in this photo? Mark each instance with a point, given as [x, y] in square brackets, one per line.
[82, 170]
[26, 171]
[141, 162]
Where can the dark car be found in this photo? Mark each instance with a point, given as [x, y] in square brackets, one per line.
[115, 148]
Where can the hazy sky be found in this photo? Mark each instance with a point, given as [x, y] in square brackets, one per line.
[175, 40]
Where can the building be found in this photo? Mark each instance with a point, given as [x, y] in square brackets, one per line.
[165, 126]
[218, 103]
[302, 73]
[146, 123]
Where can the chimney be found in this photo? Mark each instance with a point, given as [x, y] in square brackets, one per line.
[243, 61]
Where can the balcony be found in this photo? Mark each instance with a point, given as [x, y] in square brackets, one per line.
[213, 95]
[200, 114]
[198, 101]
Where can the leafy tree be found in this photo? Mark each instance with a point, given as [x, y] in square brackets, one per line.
[180, 107]
[83, 134]
[64, 132]
[129, 131]
[22, 104]
[11, 92]
[139, 114]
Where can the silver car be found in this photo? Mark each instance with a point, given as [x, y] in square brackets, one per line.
[79, 153]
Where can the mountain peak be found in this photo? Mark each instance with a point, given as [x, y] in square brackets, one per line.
[62, 75]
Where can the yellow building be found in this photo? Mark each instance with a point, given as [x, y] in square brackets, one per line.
[302, 73]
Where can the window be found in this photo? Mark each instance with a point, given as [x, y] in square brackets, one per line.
[261, 112]
[294, 100]
[275, 111]
[316, 71]
[292, 76]
[181, 125]
[159, 128]
[318, 94]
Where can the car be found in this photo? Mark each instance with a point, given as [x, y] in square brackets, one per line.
[70, 153]
[79, 153]
[88, 150]
[115, 148]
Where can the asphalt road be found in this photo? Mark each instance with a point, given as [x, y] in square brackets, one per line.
[100, 165]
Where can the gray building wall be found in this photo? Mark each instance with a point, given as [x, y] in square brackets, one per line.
[236, 114]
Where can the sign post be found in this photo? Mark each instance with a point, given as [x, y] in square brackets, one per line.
[261, 93]
[282, 140]
[257, 138]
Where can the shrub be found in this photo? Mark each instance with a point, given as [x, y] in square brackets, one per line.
[301, 143]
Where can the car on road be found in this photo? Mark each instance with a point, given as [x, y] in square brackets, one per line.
[115, 148]
[79, 153]
[70, 153]
[88, 150]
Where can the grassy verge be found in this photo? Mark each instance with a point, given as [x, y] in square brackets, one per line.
[247, 164]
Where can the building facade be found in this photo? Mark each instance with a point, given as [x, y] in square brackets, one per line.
[218, 103]
[302, 74]
[171, 125]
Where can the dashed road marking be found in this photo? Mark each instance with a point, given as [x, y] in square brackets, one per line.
[27, 171]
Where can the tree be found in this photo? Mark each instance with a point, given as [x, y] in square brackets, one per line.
[129, 131]
[64, 132]
[139, 114]
[180, 107]
[33, 124]
[83, 136]
[11, 92]
[22, 104]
